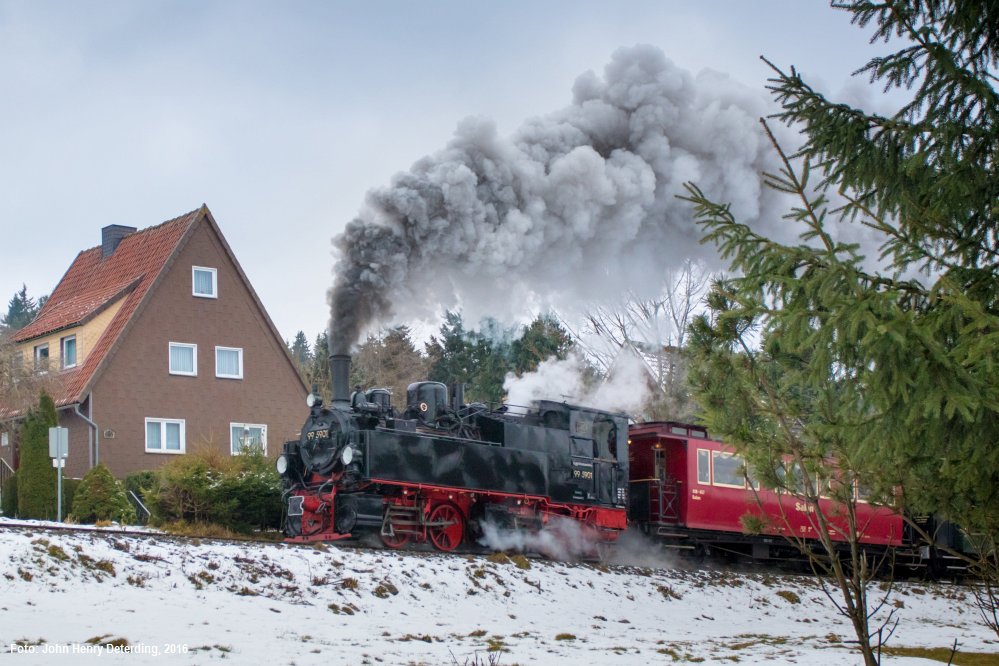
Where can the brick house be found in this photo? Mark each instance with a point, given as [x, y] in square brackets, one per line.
[157, 345]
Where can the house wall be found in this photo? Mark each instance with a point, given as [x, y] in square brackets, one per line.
[86, 337]
[78, 458]
[9, 440]
[137, 385]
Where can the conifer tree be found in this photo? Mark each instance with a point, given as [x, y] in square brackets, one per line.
[300, 352]
[893, 366]
[36, 483]
[543, 338]
[319, 370]
[21, 309]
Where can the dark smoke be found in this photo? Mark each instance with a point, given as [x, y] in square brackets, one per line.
[575, 207]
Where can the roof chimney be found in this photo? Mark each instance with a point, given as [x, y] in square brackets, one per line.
[111, 236]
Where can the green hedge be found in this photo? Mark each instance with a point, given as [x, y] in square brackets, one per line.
[69, 489]
[100, 496]
[241, 493]
[36, 485]
[9, 493]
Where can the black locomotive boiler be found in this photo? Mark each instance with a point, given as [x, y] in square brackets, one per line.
[441, 471]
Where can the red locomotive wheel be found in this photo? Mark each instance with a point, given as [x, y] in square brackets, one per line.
[395, 540]
[446, 527]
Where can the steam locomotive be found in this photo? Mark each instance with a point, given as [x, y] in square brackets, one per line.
[444, 472]
[441, 471]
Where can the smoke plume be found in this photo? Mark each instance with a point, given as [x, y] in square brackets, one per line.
[575, 207]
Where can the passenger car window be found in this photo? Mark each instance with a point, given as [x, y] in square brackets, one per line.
[703, 466]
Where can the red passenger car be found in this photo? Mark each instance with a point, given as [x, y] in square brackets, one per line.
[691, 492]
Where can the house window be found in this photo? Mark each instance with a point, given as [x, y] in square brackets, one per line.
[68, 351]
[703, 466]
[205, 282]
[229, 362]
[183, 359]
[4, 439]
[165, 435]
[42, 358]
[247, 436]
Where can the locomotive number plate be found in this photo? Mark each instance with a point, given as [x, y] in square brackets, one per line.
[318, 434]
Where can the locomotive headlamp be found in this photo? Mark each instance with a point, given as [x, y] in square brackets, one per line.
[310, 400]
[281, 464]
[346, 455]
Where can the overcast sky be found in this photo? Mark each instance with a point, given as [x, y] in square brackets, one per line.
[280, 116]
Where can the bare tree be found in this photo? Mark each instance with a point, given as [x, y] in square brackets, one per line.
[20, 383]
[390, 361]
[657, 330]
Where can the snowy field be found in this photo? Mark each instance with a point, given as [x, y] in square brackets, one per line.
[108, 597]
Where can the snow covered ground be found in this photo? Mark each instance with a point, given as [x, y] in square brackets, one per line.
[64, 597]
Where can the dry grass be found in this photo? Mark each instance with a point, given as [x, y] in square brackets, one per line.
[943, 655]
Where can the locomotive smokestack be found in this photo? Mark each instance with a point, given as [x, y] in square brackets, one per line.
[340, 372]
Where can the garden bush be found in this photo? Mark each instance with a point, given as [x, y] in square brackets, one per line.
[36, 485]
[9, 496]
[140, 482]
[241, 493]
[100, 496]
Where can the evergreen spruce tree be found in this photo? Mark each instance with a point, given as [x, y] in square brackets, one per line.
[20, 310]
[890, 370]
[319, 369]
[301, 354]
[478, 359]
[36, 483]
[540, 340]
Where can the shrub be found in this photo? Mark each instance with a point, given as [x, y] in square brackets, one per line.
[102, 497]
[9, 496]
[69, 488]
[140, 482]
[238, 493]
[255, 490]
[36, 487]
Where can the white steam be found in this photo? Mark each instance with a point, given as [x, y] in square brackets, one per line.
[626, 388]
[575, 207]
[569, 540]
[560, 539]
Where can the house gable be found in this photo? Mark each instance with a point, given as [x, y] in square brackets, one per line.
[137, 391]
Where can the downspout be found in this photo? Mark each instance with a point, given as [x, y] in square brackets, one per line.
[94, 439]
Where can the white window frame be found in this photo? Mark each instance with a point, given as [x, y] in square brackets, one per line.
[715, 455]
[705, 467]
[235, 349]
[4, 439]
[188, 345]
[237, 450]
[62, 351]
[48, 358]
[163, 423]
[215, 281]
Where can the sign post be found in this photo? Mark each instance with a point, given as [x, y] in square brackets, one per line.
[58, 450]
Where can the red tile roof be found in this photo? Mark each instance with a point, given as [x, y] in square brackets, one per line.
[93, 283]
